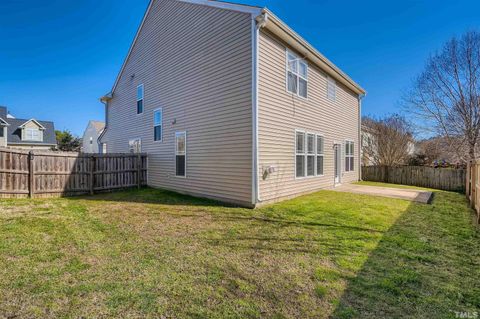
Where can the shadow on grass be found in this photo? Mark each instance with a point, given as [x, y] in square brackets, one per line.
[425, 266]
[149, 195]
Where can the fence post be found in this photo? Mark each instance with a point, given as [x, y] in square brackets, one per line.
[139, 170]
[31, 175]
[92, 175]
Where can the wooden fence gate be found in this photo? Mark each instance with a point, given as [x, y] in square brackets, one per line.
[46, 174]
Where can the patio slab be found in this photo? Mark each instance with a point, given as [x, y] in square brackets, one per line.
[400, 193]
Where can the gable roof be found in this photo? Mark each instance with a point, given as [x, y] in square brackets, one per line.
[269, 21]
[3, 122]
[34, 121]
[97, 125]
[14, 132]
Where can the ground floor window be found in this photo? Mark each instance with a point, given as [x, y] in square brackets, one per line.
[309, 154]
[180, 154]
[349, 156]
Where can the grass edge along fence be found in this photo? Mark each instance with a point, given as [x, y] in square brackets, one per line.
[448, 179]
[52, 174]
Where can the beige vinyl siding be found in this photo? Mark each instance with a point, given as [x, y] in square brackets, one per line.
[281, 113]
[195, 63]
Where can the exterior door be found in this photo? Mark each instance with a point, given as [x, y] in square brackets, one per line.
[337, 149]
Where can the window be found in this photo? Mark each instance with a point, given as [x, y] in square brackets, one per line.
[135, 145]
[140, 92]
[32, 134]
[91, 140]
[309, 155]
[297, 75]
[180, 154]
[157, 124]
[1, 131]
[300, 155]
[349, 156]
[104, 148]
[320, 154]
[331, 89]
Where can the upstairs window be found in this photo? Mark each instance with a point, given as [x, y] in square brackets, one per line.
[331, 89]
[297, 75]
[1, 131]
[140, 92]
[157, 124]
[349, 156]
[32, 134]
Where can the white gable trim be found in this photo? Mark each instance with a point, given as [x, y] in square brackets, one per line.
[35, 121]
[3, 122]
[210, 3]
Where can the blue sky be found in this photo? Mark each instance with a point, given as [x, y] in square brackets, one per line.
[58, 57]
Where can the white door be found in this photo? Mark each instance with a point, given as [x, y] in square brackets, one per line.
[337, 150]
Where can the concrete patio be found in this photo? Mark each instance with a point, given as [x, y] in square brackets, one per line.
[400, 193]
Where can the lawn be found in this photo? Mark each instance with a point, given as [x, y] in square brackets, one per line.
[156, 254]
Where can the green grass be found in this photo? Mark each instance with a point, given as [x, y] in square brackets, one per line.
[151, 254]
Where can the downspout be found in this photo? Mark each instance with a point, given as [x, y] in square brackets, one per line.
[104, 100]
[360, 141]
[257, 23]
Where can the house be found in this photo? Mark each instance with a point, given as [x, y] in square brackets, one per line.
[26, 134]
[90, 137]
[231, 104]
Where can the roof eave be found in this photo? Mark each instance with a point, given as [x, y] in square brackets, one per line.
[284, 32]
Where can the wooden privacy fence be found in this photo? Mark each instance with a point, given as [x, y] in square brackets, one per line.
[472, 188]
[438, 178]
[45, 174]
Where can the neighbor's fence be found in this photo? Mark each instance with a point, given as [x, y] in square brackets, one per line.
[45, 174]
[472, 188]
[438, 178]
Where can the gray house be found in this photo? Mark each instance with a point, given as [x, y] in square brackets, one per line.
[90, 137]
[231, 104]
[26, 133]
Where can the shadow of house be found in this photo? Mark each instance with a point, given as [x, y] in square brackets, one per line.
[414, 270]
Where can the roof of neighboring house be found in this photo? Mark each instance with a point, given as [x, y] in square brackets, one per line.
[99, 126]
[15, 133]
[3, 112]
[269, 21]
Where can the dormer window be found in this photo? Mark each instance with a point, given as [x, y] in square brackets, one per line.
[32, 134]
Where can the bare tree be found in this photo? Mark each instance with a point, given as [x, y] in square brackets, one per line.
[445, 98]
[386, 141]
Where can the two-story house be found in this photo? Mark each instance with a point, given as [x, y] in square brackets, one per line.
[26, 134]
[231, 104]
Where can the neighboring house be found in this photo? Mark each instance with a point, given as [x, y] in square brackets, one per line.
[26, 134]
[231, 104]
[90, 137]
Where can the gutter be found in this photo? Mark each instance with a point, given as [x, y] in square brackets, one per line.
[105, 99]
[258, 22]
[360, 141]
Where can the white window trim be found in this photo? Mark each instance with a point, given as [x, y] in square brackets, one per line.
[331, 80]
[349, 156]
[161, 125]
[287, 52]
[178, 133]
[142, 99]
[305, 154]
